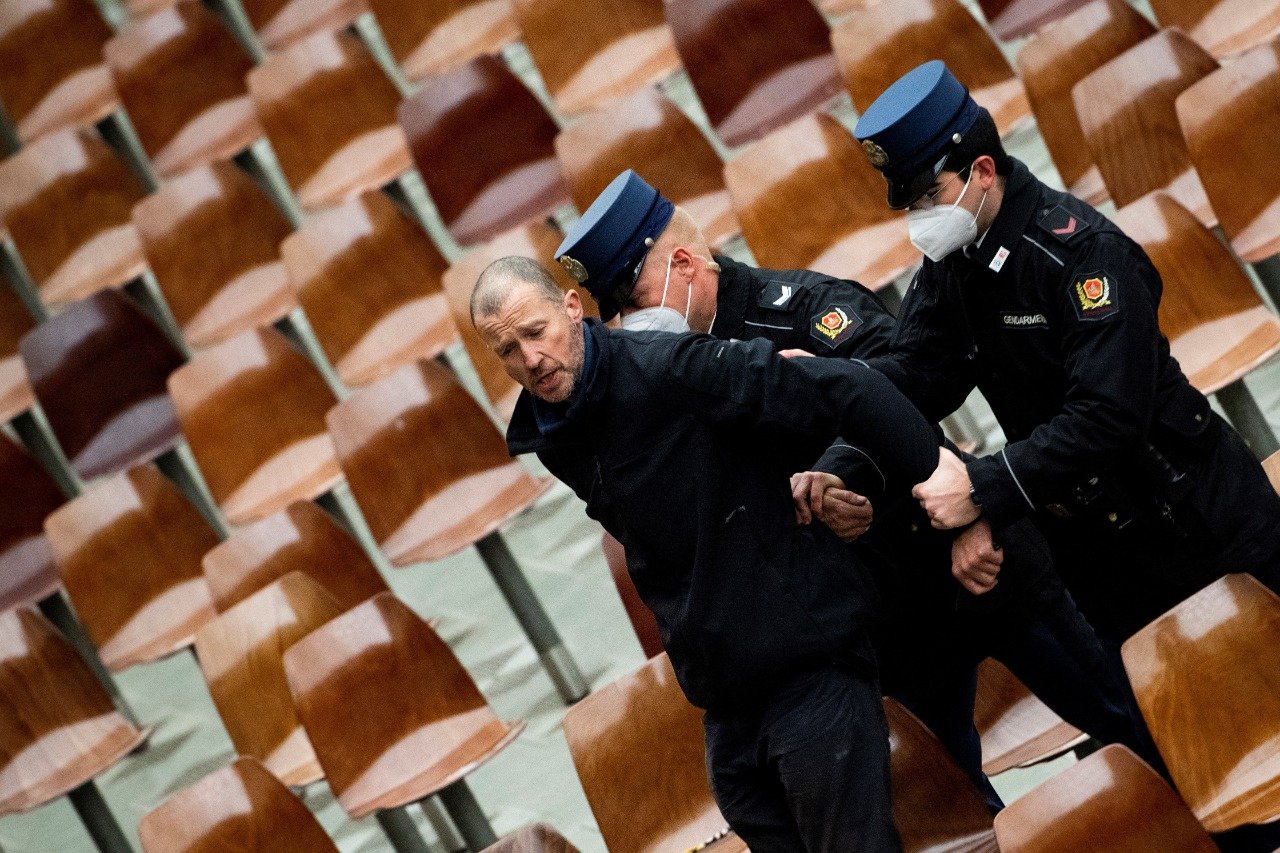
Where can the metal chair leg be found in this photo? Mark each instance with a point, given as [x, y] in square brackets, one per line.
[180, 467]
[56, 609]
[401, 831]
[468, 816]
[37, 436]
[98, 819]
[1243, 412]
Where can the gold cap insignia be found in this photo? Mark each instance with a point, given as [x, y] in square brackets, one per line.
[574, 268]
[877, 155]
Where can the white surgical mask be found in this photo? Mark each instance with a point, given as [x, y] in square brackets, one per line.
[939, 230]
[660, 318]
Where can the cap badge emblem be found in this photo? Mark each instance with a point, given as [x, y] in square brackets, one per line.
[877, 155]
[574, 268]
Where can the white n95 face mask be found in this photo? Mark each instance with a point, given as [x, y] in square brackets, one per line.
[660, 318]
[939, 230]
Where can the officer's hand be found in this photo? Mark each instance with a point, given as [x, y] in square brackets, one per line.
[976, 559]
[945, 495]
[795, 353]
[847, 513]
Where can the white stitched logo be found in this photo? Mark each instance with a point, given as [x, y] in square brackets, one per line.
[1022, 320]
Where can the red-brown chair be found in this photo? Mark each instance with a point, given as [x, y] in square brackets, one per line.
[28, 572]
[430, 39]
[641, 617]
[1224, 27]
[755, 64]
[15, 321]
[1013, 19]
[282, 23]
[1272, 466]
[1016, 728]
[484, 145]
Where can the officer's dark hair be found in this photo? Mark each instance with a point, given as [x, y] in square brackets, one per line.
[499, 278]
[982, 138]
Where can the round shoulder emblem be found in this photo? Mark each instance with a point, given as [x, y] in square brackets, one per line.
[877, 155]
[574, 268]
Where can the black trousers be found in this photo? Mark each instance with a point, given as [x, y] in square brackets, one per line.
[809, 771]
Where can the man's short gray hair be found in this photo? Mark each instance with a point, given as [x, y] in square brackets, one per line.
[499, 278]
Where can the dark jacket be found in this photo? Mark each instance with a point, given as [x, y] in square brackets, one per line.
[682, 446]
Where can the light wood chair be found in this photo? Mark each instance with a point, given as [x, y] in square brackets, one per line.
[1061, 55]
[430, 39]
[66, 200]
[211, 237]
[1224, 27]
[301, 538]
[129, 551]
[15, 321]
[535, 838]
[58, 728]
[1126, 111]
[240, 653]
[781, 190]
[755, 64]
[638, 613]
[1272, 466]
[180, 75]
[1231, 122]
[484, 146]
[241, 807]
[27, 571]
[645, 131]
[281, 24]
[54, 76]
[252, 409]
[393, 715]
[1017, 729]
[592, 51]
[368, 278]
[330, 113]
[98, 369]
[879, 44]
[1207, 678]
[1111, 802]
[1014, 19]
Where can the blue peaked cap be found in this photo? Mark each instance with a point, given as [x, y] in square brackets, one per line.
[603, 249]
[910, 129]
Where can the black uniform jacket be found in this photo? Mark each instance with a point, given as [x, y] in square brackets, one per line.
[682, 446]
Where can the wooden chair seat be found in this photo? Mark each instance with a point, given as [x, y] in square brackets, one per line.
[422, 504]
[1207, 678]
[1017, 729]
[641, 617]
[282, 23]
[484, 145]
[241, 807]
[645, 131]
[1218, 328]
[755, 64]
[1236, 109]
[1126, 111]
[211, 237]
[1224, 27]
[1061, 55]
[58, 728]
[1014, 19]
[301, 538]
[781, 193]
[430, 39]
[1111, 802]
[592, 51]
[240, 653]
[330, 113]
[1272, 466]
[66, 201]
[391, 712]
[16, 395]
[879, 44]
[129, 553]
[27, 570]
[369, 279]
[54, 76]
[535, 838]
[180, 76]
[252, 409]
[98, 369]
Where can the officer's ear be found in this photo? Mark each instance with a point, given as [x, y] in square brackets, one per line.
[984, 171]
[682, 261]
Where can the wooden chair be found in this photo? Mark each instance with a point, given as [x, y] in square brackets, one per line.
[281, 24]
[535, 838]
[54, 76]
[1111, 802]
[1224, 27]
[430, 39]
[878, 45]
[592, 51]
[211, 238]
[180, 75]
[484, 145]
[645, 131]
[240, 653]
[1272, 466]
[368, 278]
[1014, 19]
[129, 553]
[330, 113]
[15, 321]
[98, 369]
[1231, 122]
[1061, 55]
[28, 573]
[252, 409]
[755, 64]
[935, 806]
[301, 538]
[66, 200]
[58, 728]
[638, 747]
[781, 190]
[1207, 674]
[1126, 111]
[393, 715]
[641, 617]
[241, 807]
[1017, 729]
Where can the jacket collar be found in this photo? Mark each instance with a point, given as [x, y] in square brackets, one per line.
[523, 435]
[1020, 201]
[733, 292]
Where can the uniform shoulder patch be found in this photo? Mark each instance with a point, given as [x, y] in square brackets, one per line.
[834, 325]
[779, 295]
[1094, 296]
[1061, 224]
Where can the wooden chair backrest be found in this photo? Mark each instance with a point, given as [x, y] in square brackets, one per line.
[1224, 27]
[430, 39]
[641, 617]
[1272, 466]
[283, 23]
[28, 494]
[15, 321]
[1015, 726]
